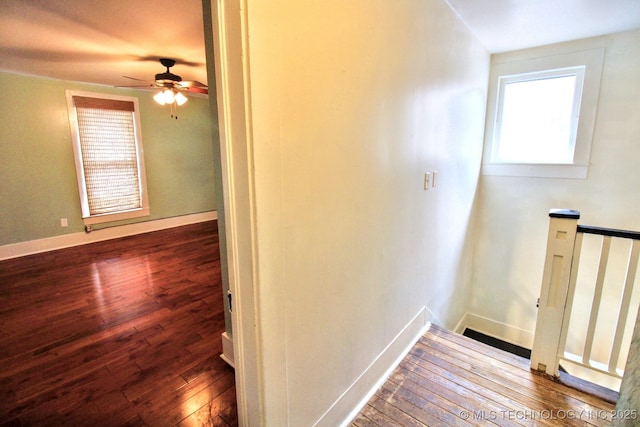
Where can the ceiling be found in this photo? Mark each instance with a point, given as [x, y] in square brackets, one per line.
[504, 25]
[99, 41]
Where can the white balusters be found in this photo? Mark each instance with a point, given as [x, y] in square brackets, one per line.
[597, 298]
[625, 303]
[558, 290]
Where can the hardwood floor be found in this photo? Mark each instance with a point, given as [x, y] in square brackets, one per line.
[123, 332]
[127, 333]
[450, 380]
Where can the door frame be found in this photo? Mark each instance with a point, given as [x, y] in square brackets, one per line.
[225, 37]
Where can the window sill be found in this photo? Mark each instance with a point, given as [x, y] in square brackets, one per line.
[536, 170]
[98, 219]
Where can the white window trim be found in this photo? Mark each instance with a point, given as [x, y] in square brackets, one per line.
[503, 81]
[593, 61]
[87, 218]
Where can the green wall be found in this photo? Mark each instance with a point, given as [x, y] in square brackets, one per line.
[38, 183]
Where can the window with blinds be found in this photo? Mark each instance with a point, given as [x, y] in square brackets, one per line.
[109, 161]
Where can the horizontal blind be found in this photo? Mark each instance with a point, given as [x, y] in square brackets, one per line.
[109, 155]
[103, 104]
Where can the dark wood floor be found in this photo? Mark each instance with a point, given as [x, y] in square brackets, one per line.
[450, 380]
[124, 332]
[127, 332]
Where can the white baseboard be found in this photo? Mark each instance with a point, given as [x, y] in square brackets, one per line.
[493, 328]
[31, 247]
[349, 404]
[433, 319]
[227, 349]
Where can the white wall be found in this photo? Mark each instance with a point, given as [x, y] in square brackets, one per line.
[512, 221]
[350, 103]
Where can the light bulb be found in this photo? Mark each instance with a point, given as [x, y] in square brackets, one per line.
[168, 96]
[159, 98]
[180, 98]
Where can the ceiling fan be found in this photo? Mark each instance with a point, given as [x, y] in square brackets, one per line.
[171, 85]
[169, 80]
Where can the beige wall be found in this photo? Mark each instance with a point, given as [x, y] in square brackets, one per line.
[511, 216]
[351, 103]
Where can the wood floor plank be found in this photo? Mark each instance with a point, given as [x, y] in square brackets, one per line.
[467, 399]
[69, 366]
[418, 406]
[557, 396]
[394, 413]
[515, 378]
[211, 412]
[363, 421]
[448, 408]
[448, 379]
[122, 332]
[377, 417]
[594, 394]
[488, 396]
[171, 409]
[229, 415]
[540, 398]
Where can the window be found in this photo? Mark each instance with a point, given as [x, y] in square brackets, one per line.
[541, 115]
[108, 152]
[538, 116]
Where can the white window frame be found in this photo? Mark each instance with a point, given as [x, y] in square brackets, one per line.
[87, 217]
[504, 69]
[503, 81]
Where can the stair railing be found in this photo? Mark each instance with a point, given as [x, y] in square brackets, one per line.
[564, 244]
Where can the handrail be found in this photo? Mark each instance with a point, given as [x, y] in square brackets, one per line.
[559, 282]
[602, 231]
[590, 229]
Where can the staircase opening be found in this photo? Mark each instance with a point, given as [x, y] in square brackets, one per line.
[497, 343]
[588, 300]
[564, 377]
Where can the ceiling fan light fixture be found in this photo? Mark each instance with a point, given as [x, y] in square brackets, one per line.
[180, 98]
[168, 96]
[171, 97]
[159, 98]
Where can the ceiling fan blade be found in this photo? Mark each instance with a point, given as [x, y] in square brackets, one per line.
[202, 90]
[191, 84]
[148, 86]
[139, 80]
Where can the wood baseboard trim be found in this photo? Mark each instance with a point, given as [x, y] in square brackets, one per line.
[32, 247]
[493, 328]
[227, 349]
[349, 404]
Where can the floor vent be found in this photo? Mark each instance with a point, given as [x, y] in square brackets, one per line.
[497, 343]
[501, 345]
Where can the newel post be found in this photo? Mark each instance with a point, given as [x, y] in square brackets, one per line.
[545, 355]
